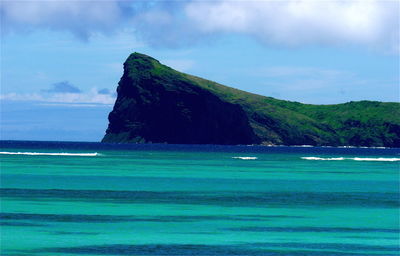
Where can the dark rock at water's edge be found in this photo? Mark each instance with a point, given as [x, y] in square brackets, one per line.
[157, 104]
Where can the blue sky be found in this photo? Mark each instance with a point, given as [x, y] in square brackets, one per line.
[61, 60]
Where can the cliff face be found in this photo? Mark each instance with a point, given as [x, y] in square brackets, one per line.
[162, 108]
[160, 105]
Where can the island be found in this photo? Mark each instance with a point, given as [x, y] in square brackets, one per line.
[157, 104]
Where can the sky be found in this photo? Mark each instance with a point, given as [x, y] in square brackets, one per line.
[61, 60]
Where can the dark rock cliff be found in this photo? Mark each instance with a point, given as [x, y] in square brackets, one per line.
[155, 108]
[157, 104]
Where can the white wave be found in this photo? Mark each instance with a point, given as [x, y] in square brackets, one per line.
[379, 159]
[49, 154]
[323, 159]
[245, 157]
[382, 159]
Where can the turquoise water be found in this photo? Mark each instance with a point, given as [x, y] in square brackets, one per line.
[174, 200]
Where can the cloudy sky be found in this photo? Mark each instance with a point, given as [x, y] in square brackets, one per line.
[61, 60]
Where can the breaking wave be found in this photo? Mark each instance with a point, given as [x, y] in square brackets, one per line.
[245, 157]
[49, 154]
[378, 159]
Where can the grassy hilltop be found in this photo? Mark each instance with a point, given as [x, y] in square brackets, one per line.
[147, 85]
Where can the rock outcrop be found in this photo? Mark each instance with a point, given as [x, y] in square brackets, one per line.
[157, 104]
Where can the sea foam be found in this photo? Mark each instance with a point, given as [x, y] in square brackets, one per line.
[381, 159]
[323, 159]
[49, 154]
[378, 159]
[245, 157]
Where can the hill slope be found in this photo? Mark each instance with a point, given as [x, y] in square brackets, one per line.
[160, 105]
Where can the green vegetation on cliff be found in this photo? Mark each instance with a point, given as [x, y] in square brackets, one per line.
[158, 104]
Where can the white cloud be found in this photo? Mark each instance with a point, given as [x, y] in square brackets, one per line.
[302, 22]
[82, 18]
[91, 97]
[368, 23]
[21, 97]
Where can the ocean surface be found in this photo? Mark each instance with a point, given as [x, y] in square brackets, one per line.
[60, 198]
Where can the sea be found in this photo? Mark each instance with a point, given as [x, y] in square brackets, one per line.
[70, 199]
